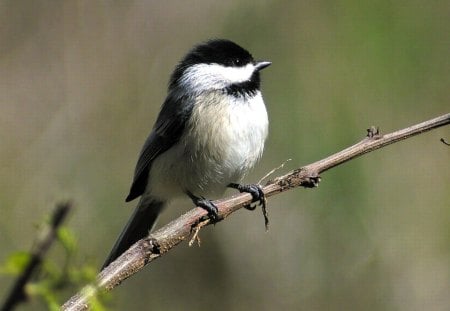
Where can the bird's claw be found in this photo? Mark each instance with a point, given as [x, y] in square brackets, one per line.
[258, 195]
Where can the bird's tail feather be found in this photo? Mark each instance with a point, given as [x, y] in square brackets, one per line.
[139, 225]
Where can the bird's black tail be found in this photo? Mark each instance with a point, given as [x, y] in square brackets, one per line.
[141, 222]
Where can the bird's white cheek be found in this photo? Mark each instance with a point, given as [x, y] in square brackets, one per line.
[235, 74]
[214, 76]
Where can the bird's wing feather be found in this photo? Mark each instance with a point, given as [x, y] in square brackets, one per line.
[167, 131]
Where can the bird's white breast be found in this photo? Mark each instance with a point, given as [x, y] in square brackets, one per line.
[223, 139]
[233, 130]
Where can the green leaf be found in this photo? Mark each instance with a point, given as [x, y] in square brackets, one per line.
[96, 305]
[43, 290]
[67, 239]
[16, 263]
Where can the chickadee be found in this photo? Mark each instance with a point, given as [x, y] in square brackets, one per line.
[210, 131]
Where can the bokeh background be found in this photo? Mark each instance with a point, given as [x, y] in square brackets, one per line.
[81, 83]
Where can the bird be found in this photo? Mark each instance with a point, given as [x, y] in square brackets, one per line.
[209, 133]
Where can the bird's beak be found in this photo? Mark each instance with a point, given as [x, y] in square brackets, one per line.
[262, 64]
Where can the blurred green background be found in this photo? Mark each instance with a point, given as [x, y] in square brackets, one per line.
[81, 83]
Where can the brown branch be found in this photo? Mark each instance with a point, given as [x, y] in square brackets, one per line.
[40, 247]
[161, 241]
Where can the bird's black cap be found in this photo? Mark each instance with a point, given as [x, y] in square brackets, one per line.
[218, 51]
[215, 51]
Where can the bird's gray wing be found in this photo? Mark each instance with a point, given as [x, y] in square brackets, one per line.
[167, 131]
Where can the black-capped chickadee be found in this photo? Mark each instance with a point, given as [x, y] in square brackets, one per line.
[210, 131]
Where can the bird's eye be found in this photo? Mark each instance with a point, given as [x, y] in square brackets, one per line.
[237, 61]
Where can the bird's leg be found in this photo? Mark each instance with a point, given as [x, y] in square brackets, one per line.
[255, 191]
[258, 195]
[207, 205]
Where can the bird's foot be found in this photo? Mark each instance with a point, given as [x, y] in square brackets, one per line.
[255, 191]
[208, 205]
[258, 196]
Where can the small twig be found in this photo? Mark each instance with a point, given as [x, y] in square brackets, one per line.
[40, 247]
[195, 236]
[144, 251]
[273, 171]
[445, 142]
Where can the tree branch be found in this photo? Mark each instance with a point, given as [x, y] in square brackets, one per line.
[161, 241]
[40, 248]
